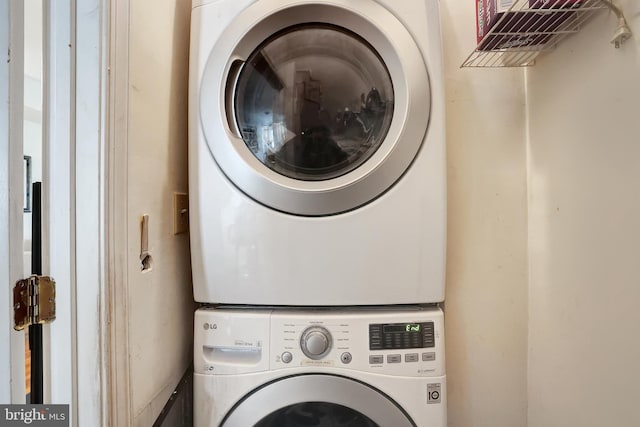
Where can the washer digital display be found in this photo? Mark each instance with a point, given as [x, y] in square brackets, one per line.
[398, 336]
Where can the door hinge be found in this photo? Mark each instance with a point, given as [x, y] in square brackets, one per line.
[34, 301]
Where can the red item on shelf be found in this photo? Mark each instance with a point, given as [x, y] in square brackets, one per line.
[498, 27]
[554, 4]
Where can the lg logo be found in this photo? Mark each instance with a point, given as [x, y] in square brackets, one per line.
[208, 326]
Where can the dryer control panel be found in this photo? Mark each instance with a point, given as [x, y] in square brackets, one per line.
[399, 342]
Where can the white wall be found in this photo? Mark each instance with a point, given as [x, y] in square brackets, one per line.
[33, 38]
[486, 307]
[32, 132]
[523, 347]
[584, 230]
[32, 146]
[486, 296]
[160, 300]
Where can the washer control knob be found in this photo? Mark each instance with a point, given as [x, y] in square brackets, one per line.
[346, 357]
[286, 357]
[315, 342]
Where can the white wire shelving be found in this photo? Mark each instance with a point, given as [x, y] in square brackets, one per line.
[528, 28]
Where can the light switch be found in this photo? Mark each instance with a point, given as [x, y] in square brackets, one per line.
[180, 213]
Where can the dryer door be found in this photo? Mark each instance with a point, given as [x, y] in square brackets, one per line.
[317, 400]
[314, 108]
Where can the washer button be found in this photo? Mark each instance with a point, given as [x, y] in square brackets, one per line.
[411, 357]
[429, 357]
[286, 357]
[394, 358]
[376, 359]
[346, 357]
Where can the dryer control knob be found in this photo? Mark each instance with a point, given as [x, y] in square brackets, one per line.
[315, 342]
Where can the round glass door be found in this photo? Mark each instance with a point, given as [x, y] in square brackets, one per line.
[314, 102]
[314, 108]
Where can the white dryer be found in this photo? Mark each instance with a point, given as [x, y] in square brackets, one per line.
[317, 152]
[360, 368]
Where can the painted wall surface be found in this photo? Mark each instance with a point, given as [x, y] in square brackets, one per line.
[584, 229]
[530, 338]
[160, 300]
[486, 296]
[32, 147]
[33, 39]
[32, 133]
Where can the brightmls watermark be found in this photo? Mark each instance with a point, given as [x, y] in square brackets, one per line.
[34, 415]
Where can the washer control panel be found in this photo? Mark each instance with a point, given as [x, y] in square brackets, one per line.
[393, 342]
[402, 342]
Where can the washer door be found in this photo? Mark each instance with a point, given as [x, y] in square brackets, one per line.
[314, 108]
[317, 400]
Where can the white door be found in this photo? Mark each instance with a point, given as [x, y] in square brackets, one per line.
[12, 385]
[72, 115]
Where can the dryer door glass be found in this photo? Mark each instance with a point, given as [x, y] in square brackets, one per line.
[314, 102]
[316, 414]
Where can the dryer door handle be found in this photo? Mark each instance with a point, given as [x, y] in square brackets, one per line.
[229, 94]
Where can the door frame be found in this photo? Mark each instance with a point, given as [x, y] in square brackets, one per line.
[89, 78]
[119, 391]
[75, 44]
[56, 224]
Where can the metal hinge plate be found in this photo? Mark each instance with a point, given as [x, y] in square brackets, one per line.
[34, 301]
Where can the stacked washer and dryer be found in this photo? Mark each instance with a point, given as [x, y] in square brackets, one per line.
[317, 211]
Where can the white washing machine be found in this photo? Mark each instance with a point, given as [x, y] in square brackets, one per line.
[357, 368]
[317, 152]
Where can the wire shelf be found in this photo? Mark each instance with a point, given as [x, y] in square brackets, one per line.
[512, 33]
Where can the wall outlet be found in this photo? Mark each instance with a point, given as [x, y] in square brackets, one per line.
[180, 213]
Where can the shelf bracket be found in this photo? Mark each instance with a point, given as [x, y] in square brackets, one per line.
[623, 32]
[512, 33]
